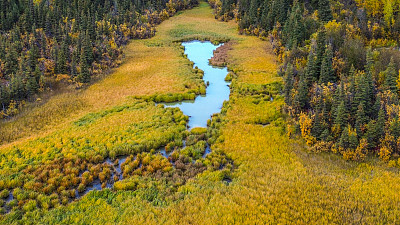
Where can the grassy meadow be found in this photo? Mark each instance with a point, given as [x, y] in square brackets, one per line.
[274, 179]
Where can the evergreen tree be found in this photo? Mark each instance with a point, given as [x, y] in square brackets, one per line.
[320, 51]
[344, 139]
[73, 70]
[353, 140]
[348, 139]
[293, 30]
[11, 60]
[289, 82]
[361, 119]
[370, 61]
[327, 72]
[390, 78]
[341, 115]
[395, 128]
[317, 128]
[32, 85]
[376, 130]
[33, 55]
[4, 97]
[253, 12]
[91, 27]
[84, 75]
[281, 8]
[311, 69]
[17, 88]
[370, 90]
[325, 135]
[381, 122]
[267, 17]
[324, 10]
[302, 98]
[376, 107]
[62, 67]
[37, 74]
[352, 91]
[87, 49]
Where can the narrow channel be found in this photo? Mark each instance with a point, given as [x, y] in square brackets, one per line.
[204, 106]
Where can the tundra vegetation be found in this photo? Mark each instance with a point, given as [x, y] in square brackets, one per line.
[256, 173]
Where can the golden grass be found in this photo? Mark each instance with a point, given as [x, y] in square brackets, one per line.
[146, 71]
[276, 180]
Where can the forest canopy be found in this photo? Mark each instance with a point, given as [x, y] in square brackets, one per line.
[340, 63]
[49, 43]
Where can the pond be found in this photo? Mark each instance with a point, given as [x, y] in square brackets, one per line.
[204, 106]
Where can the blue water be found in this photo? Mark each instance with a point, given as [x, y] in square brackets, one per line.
[201, 109]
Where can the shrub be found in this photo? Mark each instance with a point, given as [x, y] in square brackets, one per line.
[31, 205]
[81, 188]
[4, 193]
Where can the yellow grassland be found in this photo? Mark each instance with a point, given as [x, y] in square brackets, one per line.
[276, 181]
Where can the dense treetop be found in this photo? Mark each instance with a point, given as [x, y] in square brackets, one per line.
[45, 43]
[340, 63]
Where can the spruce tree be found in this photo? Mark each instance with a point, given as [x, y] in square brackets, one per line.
[253, 11]
[84, 75]
[341, 115]
[391, 77]
[376, 129]
[4, 96]
[380, 122]
[73, 70]
[344, 139]
[33, 55]
[62, 59]
[361, 119]
[31, 85]
[375, 107]
[11, 60]
[361, 91]
[311, 69]
[352, 91]
[302, 98]
[91, 27]
[327, 72]
[317, 128]
[370, 89]
[17, 88]
[395, 127]
[320, 50]
[325, 135]
[353, 140]
[267, 19]
[324, 10]
[37, 73]
[370, 61]
[293, 30]
[281, 8]
[87, 49]
[289, 82]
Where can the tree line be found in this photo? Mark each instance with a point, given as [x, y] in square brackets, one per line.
[46, 43]
[340, 64]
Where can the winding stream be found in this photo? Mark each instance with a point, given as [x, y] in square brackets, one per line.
[204, 106]
[199, 110]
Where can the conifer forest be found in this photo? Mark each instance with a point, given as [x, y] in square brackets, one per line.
[199, 111]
